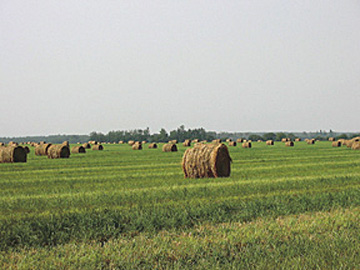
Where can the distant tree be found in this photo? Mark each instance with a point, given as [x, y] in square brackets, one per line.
[342, 136]
[280, 136]
[255, 137]
[269, 136]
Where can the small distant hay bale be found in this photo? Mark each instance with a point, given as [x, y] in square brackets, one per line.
[289, 144]
[42, 149]
[121, 142]
[173, 141]
[11, 154]
[216, 141]
[93, 142]
[210, 160]
[228, 140]
[143, 142]
[269, 142]
[297, 140]
[311, 141]
[259, 141]
[187, 143]
[356, 146]
[78, 149]
[58, 151]
[336, 144]
[283, 140]
[153, 146]
[246, 145]
[86, 145]
[195, 141]
[42, 142]
[332, 139]
[136, 146]
[240, 140]
[98, 147]
[233, 143]
[131, 142]
[11, 143]
[169, 147]
[204, 141]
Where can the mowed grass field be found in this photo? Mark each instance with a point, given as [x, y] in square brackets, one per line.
[281, 208]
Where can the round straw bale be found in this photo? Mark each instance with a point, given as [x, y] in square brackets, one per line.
[246, 145]
[66, 143]
[216, 141]
[269, 142]
[228, 140]
[332, 139]
[152, 145]
[173, 141]
[283, 140]
[121, 142]
[78, 149]
[336, 144]
[187, 143]
[87, 145]
[136, 146]
[58, 151]
[311, 141]
[98, 147]
[143, 142]
[27, 149]
[298, 140]
[10, 154]
[2, 144]
[259, 140]
[356, 145]
[204, 141]
[289, 143]
[93, 142]
[169, 147]
[233, 143]
[42, 149]
[131, 142]
[195, 141]
[240, 140]
[206, 160]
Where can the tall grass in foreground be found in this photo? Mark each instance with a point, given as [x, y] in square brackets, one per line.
[108, 208]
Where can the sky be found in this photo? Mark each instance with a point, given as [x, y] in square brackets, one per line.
[73, 67]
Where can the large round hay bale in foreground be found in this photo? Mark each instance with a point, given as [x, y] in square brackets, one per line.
[152, 145]
[12, 154]
[58, 151]
[336, 144]
[42, 149]
[136, 146]
[98, 147]
[206, 160]
[78, 150]
[169, 147]
[269, 142]
[232, 143]
[246, 145]
[289, 144]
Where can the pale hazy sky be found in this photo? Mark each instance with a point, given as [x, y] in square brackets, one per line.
[72, 67]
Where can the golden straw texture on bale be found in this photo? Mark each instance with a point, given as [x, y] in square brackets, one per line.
[131, 142]
[228, 140]
[269, 142]
[332, 139]
[297, 140]
[78, 150]
[240, 140]
[58, 151]
[233, 143]
[152, 145]
[10, 154]
[246, 145]
[66, 143]
[210, 160]
[42, 149]
[289, 143]
[98, 147]
[311, 141]
[136, 146]
[173, 141]
[2, 144]
[356, 146]
[216, 141]
[336, 144]
[169, 147]
[195, 141]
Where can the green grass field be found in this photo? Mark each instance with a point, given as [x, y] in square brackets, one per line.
[281, 208]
